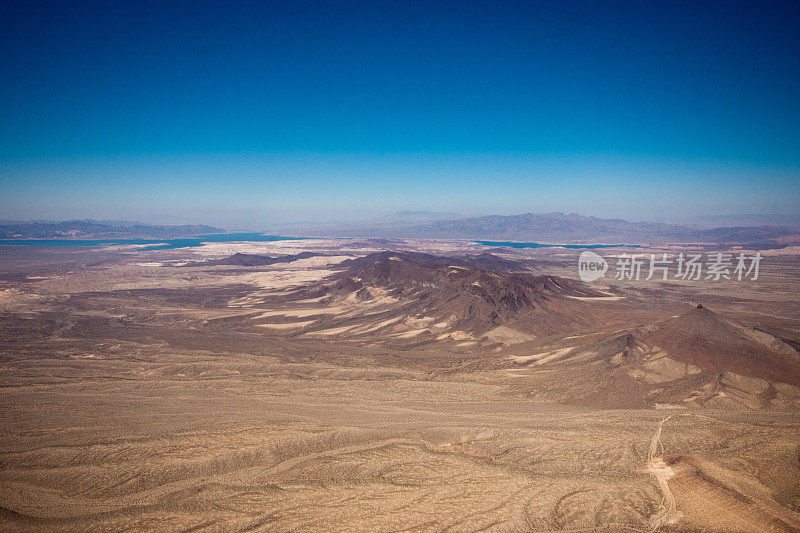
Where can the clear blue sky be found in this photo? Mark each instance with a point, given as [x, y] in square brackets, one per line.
[250, 113]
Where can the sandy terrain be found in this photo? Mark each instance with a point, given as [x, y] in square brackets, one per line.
[165, 398]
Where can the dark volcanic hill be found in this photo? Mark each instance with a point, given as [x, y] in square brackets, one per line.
[466, 297]
[696, 358]
[484, 261]
[699, 337]
[731, 364]
[249, 260]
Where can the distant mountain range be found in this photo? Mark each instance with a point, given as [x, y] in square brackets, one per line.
[720, 221]
[557, 228]
[98, 229]
[568, 228]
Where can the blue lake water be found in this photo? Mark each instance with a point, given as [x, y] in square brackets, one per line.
[155, 244]
[512, 244]
[191, 242]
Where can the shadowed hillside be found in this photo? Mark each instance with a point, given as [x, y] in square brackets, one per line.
[701, 338]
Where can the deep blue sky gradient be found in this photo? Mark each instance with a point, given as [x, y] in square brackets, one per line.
[250, 113]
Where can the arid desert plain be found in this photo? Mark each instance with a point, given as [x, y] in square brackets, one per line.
[408, 385]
